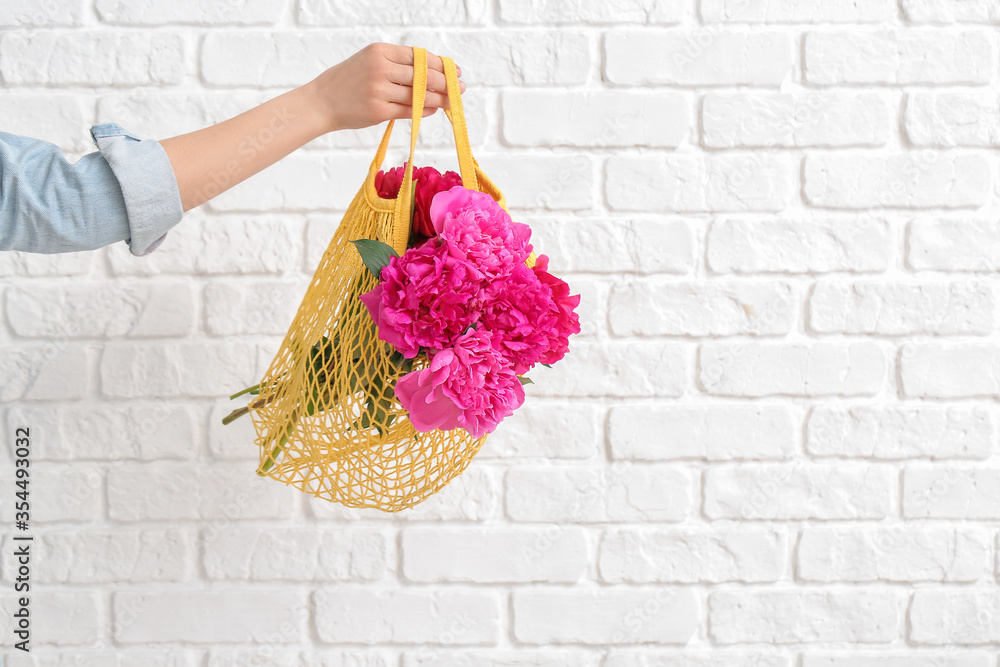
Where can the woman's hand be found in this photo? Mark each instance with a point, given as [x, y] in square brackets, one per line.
[375, 85]
[372, 86]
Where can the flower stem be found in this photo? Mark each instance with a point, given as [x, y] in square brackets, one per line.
[234, 415]
[276, 452]
[245, 391]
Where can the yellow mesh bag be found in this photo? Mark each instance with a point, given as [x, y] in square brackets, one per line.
[327, 419]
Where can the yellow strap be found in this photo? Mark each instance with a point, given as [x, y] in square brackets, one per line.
[380, 153]
[401, 231]
[457, 117]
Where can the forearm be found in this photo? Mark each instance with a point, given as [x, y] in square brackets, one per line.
[212, 160]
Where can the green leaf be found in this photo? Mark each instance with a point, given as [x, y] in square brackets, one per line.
[524, 380]
[547, 365]
[375, 255]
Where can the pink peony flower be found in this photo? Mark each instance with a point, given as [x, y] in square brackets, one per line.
[531, 323]
[429, 182]
[482, 229]
[427, 298]
[469, 385]
[563, 319]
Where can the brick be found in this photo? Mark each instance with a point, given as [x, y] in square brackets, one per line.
[928, 57]
[295, 183]
[591, 369]
[118, 657]
[212, 368]
[951, 492]
[92, 556]
[294, 554]
[13, 263]
[56, 370]
[630, 245]
[547, 12]
[774, 369]
[909, 180]
[699, 183]
[950, 616]
[948, 370]
[771, 119]
[882, 659]
[162, 492]
[159, 114]
[546, 182]
[64, 493]
[231, 244]
[806, 615]
[953, 245]
[795, 11]
[945, 11]
[101, 309]
[594, 118]
[952, 119]
[798, 246]
[900, 433]
[235, 441]
[494, 555]
[893, 553]
[705, 57]
[258, 59]
[641, 555]
[20, 13]
[895, 309]
[341, 13]
[605, 616]
[624, 493]
[272, 616]
[715, 658]
[135, 12]
[362, 616]
[560, 431]
[799, 491]
[667, 308]
[245, 307]
[265, 656]
[655, 433]
[109, 433]
[59, 119]
[471, 496]
[59, 618]
[511, 57]
[91, 58]
[563, 657]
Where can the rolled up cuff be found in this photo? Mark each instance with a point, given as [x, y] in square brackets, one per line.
[148, 184]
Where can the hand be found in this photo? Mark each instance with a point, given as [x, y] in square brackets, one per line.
[376, 85]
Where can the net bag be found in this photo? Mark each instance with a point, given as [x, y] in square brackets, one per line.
[327, 419]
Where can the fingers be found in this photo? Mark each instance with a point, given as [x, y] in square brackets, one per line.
[405, 111]
[404, 56]
[404, 95]
[403, 75]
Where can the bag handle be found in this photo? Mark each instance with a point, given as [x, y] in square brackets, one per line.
[401, 233]
[467, 163]
[456, 115]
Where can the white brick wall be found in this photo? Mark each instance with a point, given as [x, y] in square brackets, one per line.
[773, 445]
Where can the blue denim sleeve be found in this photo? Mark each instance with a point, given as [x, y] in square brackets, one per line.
[126, 191]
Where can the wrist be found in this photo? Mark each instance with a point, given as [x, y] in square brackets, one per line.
[316, 107]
